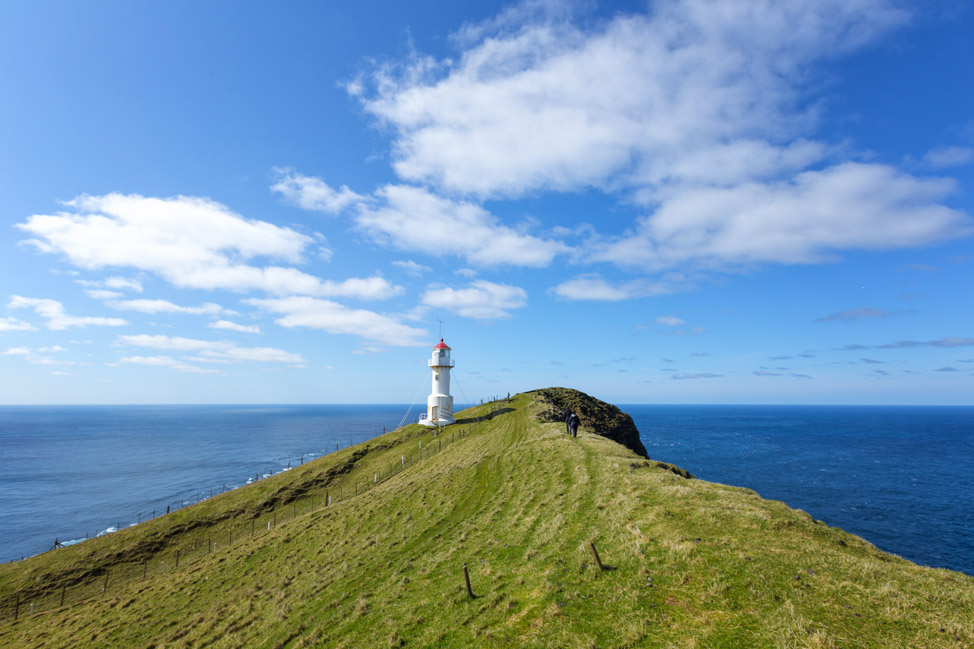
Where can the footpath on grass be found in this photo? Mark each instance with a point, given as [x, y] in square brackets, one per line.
[512, 535]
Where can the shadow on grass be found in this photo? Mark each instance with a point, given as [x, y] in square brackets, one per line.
[474, 420]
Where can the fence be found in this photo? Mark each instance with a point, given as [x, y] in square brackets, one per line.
[95, 581]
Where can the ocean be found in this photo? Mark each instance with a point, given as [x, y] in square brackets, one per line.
[901, 477]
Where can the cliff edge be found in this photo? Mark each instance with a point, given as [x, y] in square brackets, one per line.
[598, 416]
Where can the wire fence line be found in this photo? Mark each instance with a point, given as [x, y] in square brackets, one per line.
[161, 507]
[79, 587]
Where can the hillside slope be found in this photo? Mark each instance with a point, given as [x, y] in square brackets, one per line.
[690, 563]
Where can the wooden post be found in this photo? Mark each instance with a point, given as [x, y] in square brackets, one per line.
[230, 537]
[595, 553]
[63, 588]
[466, 580]
[145, 566]
[167, 508]
[104, 588]
[294, 511]
[140, 518]
[16, 608]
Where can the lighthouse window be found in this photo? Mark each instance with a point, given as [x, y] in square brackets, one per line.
[436, 376]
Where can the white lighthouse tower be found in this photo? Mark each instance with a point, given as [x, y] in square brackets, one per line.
[439, 405]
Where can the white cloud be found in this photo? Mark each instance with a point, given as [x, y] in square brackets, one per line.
[335, 318]
[35, 354]
[410, 267]
[102, 294]
[312, 193]
[700, 113]
[594, 287]
[670, 320]
[802, 220]
[166, 361]
[165, 306]
[412, 218]
[480, 299]
[544, 104]
[949, 156]
[233, 326]
[123, 282]
[13, 324]
[215, 349]
[53, 312]
[190, 242]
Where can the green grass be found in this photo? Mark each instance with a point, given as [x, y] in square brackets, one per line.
[693, 564]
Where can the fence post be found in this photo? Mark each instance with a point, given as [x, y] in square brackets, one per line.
[595, 552]
[104, 588]
[63, 588]
[230, 537]
[167, 508]
[145, 566]
[466, 579]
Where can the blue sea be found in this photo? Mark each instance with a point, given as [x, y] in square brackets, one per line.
[901, 477]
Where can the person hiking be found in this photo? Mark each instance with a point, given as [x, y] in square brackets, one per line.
[573, 422]
[567, 416]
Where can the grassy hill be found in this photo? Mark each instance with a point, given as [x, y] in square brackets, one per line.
[689, 563]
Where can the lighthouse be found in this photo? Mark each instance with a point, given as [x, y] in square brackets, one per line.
[439, 405]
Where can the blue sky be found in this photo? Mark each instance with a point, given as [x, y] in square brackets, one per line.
[663, 202]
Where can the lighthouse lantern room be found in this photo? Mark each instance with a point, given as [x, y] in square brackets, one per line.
[439, 405]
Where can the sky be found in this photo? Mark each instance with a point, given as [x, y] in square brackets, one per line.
[751, 201]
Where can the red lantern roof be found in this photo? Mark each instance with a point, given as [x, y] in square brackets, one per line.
[442, 345]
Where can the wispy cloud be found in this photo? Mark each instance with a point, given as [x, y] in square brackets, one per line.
[13, 324]
[214, 349]
[696, 375]
[233, 326]
[941, 342]
[863, 313]
[410, 267]
[57, 319]
[166, 361]
[165, 306]
[949, 156]
[670, 320]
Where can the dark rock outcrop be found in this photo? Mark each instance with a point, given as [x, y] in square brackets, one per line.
[598, 416]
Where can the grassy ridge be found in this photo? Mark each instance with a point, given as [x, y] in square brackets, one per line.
[695, 564]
